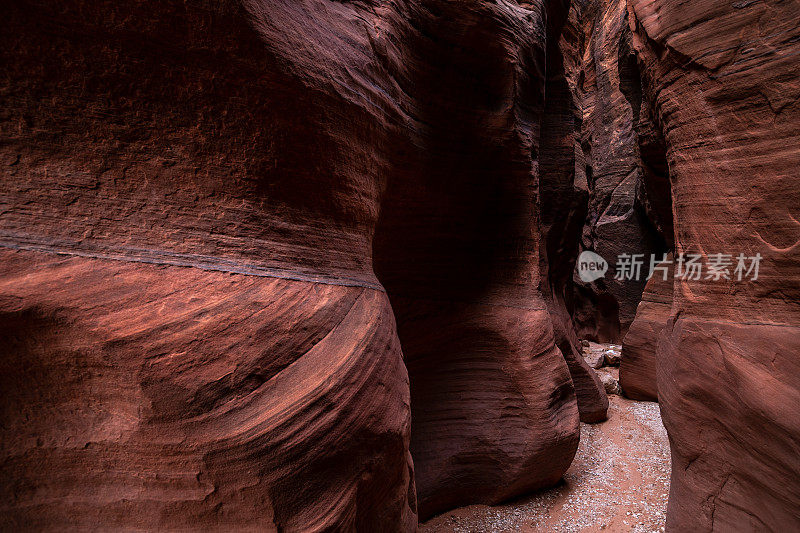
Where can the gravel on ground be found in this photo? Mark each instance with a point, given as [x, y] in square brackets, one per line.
[618, 482]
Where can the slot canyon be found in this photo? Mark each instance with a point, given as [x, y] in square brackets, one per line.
[314, 265]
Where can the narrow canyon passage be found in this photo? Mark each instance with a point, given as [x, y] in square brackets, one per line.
[304, 266]
[618, 482]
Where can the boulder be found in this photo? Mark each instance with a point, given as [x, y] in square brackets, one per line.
[594, 354]
[610, 383]
[611, 357]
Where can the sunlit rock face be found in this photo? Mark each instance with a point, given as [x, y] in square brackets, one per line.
[243, 243]
[723, 81]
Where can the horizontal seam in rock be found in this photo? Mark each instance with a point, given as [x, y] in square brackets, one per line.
[714, 320]
[162, 257]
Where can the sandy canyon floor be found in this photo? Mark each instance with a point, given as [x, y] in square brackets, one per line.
[619, 481]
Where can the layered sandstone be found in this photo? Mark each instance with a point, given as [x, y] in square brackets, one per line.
[628, 209]
[637, 370]
[457, 248]
[196, 338]
[563, 196]
[224, 226]
[308, 265]
[723, 81]
[160, 397]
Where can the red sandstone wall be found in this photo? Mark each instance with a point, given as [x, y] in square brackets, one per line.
[258, 257]
[723, 79]
[196, 199]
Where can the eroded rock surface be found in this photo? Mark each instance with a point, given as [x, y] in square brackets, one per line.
[628, 211]
[168, 398]
[723, 79]
[563, 197]
[637, 370]
[245, 245]
[196, 338]
[196, 198]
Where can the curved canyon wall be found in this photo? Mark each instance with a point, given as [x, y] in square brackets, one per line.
[563, 196]
[723, 80]
[308, 265]
[637, 369]
[457, 247]
[196, 199]
[625, 170]
[195, 334]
